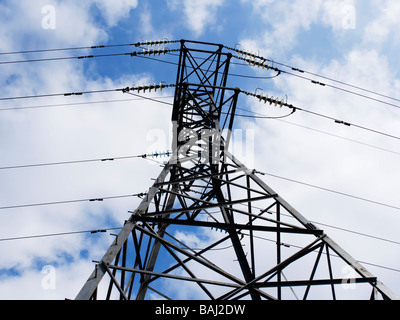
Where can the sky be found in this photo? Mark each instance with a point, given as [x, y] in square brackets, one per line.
[350, 41]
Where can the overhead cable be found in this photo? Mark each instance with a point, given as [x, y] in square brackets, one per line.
[149, 52]
[144, 88]
[137, 44]
[250, 58]
[258, 61]
[144, 156]
[71, 201]
[80, 103]
[138, 88]
[329, 190]
[289, 245]
[93, 231]
[167, 154]
[281, 103]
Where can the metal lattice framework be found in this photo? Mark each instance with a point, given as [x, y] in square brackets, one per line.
[210, 228]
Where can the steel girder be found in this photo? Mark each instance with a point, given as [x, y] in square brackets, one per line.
[210, 228]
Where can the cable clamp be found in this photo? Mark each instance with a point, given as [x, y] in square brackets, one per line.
[317, 82]
[73, 94]
[342, 122]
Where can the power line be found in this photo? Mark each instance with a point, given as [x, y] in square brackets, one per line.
[359, 269]
[164, 42]
[359, 233]
[279, 71]
[107, 229]
[254, 115]
[64, 58]
[71, 201]
[282, 103]
[64, 49]
[340, 137]
[167, 153]
[345, 90]
[79, 103]
[339, 82]
[379, 266]
[137, 44]
[154, 52]
[298, 247]
[348, 124]
[333, 227]
[103, 230]
[138, 54]
[93, 231]
[329, 190]
[251, 59]
[149, 52]
[144, 156]
[271, 100]
[342, 122]
[139, 88]
[49, 95]
[262, 116]
[151, 99]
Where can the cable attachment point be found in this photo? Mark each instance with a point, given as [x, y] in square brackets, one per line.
[271, 100]
[98, 231]
[160, 154]
[150, 52]
[73, 94]
[148, 88]
[259, 172]
[148, 43]
[343, 123]
[317, 82]
[141, 195]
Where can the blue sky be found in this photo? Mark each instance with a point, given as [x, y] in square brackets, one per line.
[352, 41]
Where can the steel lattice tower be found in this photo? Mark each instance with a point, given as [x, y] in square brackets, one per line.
[260, 247]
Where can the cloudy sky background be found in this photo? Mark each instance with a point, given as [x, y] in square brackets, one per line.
[350, 41]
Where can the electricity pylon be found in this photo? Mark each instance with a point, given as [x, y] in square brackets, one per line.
[210, 228]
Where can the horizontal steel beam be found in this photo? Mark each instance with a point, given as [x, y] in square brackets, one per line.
[177, 277]
[224, 226]
[299, 283]
[208, 205]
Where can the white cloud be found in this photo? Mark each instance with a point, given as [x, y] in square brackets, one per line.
[73, 24]
[285, 21]
[326, 161]
[98, 130]
[199, 14]
[146, 22]
[322, 159]
[339, 15]
[33, 285]
[380, 29]
[115, 10]
[63, 133]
